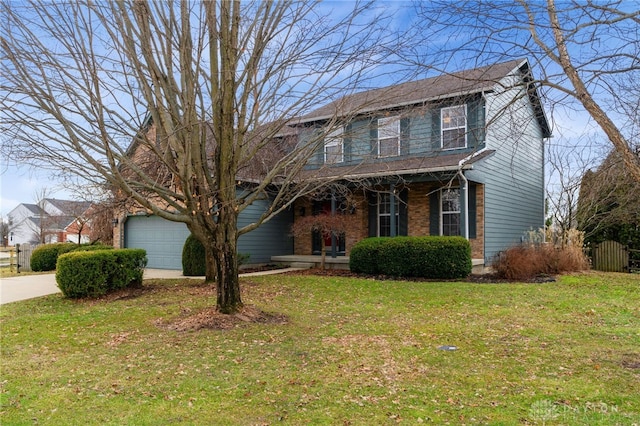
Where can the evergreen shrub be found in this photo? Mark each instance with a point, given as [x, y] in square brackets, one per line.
[363, 258]
[98, 272]
[193, 258]
[426, 257]
[44, 257]
[91, 247]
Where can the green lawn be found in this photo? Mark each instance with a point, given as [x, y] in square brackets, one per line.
[353, 352]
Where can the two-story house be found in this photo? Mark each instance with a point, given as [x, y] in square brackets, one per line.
[458, 154]
[49, 221]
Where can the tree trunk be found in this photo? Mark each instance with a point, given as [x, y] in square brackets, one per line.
[211, 270]
[229, 299]
[225, 249]
[631, 160]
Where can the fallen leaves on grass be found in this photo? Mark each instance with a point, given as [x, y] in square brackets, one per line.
[211, 319]
[473, 278]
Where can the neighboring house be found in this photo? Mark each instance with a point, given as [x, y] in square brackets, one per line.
[458, 154]
[51, 220]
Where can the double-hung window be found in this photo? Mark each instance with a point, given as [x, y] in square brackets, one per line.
[334, 147]
[384, 214]
[389, 136]
[450, 212]
[454, 127]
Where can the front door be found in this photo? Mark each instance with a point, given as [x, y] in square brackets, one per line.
[324, 207]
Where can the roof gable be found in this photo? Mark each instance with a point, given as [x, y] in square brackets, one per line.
[66, 207]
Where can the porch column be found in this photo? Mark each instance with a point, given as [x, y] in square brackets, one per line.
[464, 205]
[334, 251]
[392, 210]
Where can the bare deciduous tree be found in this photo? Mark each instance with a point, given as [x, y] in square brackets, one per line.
[587, 53]
[608, 199]
[5, 229]
[203, 89]
[42, 228]
[567, 164]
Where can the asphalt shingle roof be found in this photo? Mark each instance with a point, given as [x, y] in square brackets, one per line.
[414, 92]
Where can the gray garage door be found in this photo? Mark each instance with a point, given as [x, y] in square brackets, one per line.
[162, 239]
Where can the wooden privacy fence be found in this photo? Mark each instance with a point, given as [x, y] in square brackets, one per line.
[17, 258]
[24, 256]
[610, 256]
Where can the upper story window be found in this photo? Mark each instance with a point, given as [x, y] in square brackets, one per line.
[334, 147]
[389, 136]
[450, 212]
[454, 127]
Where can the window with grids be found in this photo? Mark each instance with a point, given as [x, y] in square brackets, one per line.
[389, 136]
[384, 214]
[454, 127]
[333, 147]
[450, 211]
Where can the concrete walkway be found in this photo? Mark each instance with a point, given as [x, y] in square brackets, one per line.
[25, 287]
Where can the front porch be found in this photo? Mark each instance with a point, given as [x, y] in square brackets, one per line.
[342, 262]
[313, 261]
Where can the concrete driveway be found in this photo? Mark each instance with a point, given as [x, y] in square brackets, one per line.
[31, 286]
[25, 287]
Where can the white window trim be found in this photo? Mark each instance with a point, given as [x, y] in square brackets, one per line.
[442, 213]
[442, 128]
[334, 138]
[386, 121]
[379, 214]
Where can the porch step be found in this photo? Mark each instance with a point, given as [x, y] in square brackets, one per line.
[302, 265]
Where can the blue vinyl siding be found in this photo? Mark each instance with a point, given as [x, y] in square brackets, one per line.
[360, 136]
[513, 176]
[163, 240]
[269, 239]
[420, 133]
[421, 140]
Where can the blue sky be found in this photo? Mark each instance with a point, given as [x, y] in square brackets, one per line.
[19, 184]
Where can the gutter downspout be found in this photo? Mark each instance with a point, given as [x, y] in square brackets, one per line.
[334, 240]
[464, 189]
[392, 210]
[464, 194]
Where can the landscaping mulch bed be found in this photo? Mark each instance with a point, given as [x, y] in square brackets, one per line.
[211, 319]
[473, 278]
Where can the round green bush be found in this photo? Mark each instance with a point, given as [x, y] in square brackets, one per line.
[94, 273]
[44, 257]
[194, 262]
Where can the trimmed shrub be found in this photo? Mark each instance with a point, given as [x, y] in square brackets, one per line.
[427, 257]
[91, 247]
[44, 257]
[363, 258]
[193, 258]
[129, 268]
[97, 272]
[194, 262]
